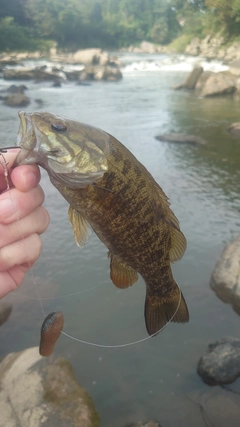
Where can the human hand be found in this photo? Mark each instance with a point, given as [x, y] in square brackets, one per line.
[22, 220]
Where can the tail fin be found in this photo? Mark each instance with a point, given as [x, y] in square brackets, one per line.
[161, 310]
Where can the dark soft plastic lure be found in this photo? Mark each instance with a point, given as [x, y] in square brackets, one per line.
[50, 332]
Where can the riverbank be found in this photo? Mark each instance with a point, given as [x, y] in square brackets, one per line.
[211, 47]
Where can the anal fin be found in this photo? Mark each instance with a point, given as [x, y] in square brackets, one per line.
[122, 275]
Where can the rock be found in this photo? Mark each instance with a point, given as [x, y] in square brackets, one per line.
[193, 48]
[234, 67]
[202, 80]
[234, 129]
[73, 75]
[108, 73]
[39, 101]
[39, 74]
[147, 47]
[150, 423]
[221, 363]
[18, 74]
[56, 84]
[17, 100]
[218, 407]
[192, 79]
[218, 84]
[181, 138]
[5, 311]
[35, 392]
[90, 56]
[16, 89]
[225, 279]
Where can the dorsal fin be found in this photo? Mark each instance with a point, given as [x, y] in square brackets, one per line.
[80, 226]
[122, 275]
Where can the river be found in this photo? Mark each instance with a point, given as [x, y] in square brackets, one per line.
[152, 379]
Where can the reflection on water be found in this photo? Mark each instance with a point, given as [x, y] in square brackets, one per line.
[203, 183]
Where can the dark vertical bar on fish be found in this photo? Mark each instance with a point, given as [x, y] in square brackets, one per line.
[50, 332]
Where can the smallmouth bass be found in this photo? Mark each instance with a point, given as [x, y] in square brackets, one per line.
[109, 190]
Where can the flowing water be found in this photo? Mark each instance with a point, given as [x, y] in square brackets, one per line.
[152, 379]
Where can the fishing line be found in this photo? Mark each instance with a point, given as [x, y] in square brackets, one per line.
[129, 343]
[6, 175]
[63, 296]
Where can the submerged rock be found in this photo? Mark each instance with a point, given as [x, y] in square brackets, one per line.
[234, 129]
[17, 100]
[35, 392]
[225, 279]
[218, 407]
[181, 138]
[221, 363]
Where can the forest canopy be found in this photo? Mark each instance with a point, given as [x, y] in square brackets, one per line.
[72, 24]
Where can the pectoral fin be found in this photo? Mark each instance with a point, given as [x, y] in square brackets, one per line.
[80, 226]
[122, 275]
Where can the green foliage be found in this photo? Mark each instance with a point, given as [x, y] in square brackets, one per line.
[30, 24]
[15, 37]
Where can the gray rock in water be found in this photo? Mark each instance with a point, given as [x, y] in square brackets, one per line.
[17, 100]
[225, 279]
[221, 363]
[193, 77]
[234, 128]
[181, 138]
[219, 407]
[218, 84]
[5, 311]
[35, 392]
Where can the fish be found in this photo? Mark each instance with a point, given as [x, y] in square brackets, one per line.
[112, 193]
[50, 332]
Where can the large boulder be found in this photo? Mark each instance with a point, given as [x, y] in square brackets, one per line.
[18, 74]
[225, 279]
[234, 67]
[193, 77]
[202, 80]
[90, 57]
[221, 363]
[39, 74]
[17, 100]
[35, 392]
[218, 84]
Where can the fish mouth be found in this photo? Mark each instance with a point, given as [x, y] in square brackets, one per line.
[26, 140]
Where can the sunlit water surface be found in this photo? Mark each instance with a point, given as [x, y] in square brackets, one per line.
[152, 379]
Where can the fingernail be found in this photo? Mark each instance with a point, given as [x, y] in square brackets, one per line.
[7, 208]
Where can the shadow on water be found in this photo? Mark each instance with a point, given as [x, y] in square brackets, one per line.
[149, 379]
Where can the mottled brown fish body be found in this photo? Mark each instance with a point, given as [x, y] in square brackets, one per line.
[50, 332]
[127, 210]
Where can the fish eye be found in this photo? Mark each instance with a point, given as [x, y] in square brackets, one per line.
[58, 127]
